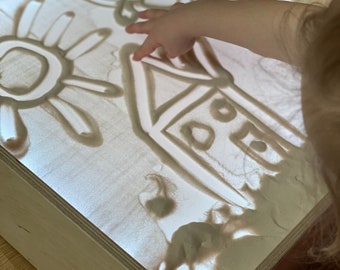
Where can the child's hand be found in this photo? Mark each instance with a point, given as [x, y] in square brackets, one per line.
[165, 29]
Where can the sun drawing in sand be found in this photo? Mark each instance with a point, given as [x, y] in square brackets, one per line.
[52, 70]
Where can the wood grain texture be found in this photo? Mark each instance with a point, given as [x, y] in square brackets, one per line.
[32, 224]
[10, 259]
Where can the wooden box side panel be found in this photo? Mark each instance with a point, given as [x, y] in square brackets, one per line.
[42, 233]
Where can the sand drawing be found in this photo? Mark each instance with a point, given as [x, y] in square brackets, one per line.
[196, 242]
[53, 72]
[221, 139]
[178, 128]
[187, 150]
[105, 3]
[126, 11]
[158, 202]
[192, 243]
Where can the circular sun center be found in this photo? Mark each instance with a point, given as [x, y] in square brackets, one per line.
[17, 82]
[20, 70]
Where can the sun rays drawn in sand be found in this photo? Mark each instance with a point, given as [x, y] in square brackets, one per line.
[53, 70]
[172, 129]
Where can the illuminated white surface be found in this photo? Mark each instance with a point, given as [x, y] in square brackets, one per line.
[85, 145]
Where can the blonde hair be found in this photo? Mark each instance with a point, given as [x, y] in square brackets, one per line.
[321, 110]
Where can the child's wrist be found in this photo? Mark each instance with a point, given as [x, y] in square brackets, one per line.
[190, 20]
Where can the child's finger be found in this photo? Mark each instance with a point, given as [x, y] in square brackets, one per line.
[151, 13]
[139, 28]
[147, 48]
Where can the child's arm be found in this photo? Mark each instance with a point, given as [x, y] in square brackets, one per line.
[268, 28]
